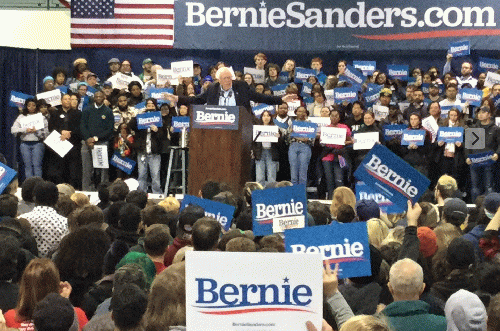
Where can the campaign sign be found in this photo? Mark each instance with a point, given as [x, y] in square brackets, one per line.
[281, 125]
[329, 94]
[265, 133]
[353, 75]
[259, 76]
[396, 71]
[36, 121]
[303, 74]
[491, 79]
[258, 110]
[165, 75]
[333, 136]
[100, 157]
[63, 89]
[285, 75]
[216, 117]
[182, 68]
[120, 81]
[486, 64]
[345, 244]
[366, 67]
[51, 97]
[392, 131]
[6, 176]
[451, 135]
[342, 94]
[380, 112]
[220, 211]
[91, 91]
[278, 209]
[446, 109]
[179, 122]
[472, 95]
[416, 137]
[481, 159]
[308, 100]
[226, 293]
[140, 105]
[365, 192]
[496, 101]
[279, 90]
[124, 164]
[146, 120]
[321, 121]
[372, 95]
[365, 140]
[459, 48]
[17, 99]
[425, 88]
[301, 129]
[159, 93]
[388, 174]
[307, 88]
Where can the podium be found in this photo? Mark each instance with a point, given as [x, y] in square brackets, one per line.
[219, 154]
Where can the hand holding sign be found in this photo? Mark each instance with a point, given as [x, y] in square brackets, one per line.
[330, 280]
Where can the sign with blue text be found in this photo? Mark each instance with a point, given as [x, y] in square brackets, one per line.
[278, 209]
[17, 99]
[347, 94]
[450, 135]
[124, 164]
[148, 119]
[366, 67]
[220, 211]
[6, 176]
[303, 74]
[481, 159]
[388, 174]
[416, 137]
[372, 95]
[227, 294]
[365, 192]
[179, 122]
[353, 75]
[258, 110]
[486, 64]
[393, 131]
[279, 90]
[474, 96]
[302, 129]
[459, 48]
[216, 117]
[159, 93]
[345, 244]
[396, 71]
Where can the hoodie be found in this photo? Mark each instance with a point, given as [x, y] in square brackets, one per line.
[464, 311]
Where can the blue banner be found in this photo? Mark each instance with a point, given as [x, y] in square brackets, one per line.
[124, 164]
[345, 244]
[91, 91]
[459, 48]
[63, 89]
[365, 192]
[140, 105]
[353, 75]
[425, 88]
[416, 137]
[446, 109]
[372, 95]
[392, 131]
[146, 120]
[6, 176]
[279, 90]
[308, 100]
[366, 67]
[486, 64]
[216, 117]
[481, 159]
[341, 94]
[283, 125]
[474, 96]
[301, 129]
[179, 122]
[158, 94]
[277, 209]
[496, 101]
[220, 211]
[388, 174]
[307, 88]
[17, 99]
[303, 73]
[450, 135]
[396, 71]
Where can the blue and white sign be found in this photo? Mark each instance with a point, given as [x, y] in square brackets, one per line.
[302, 129]
[259, 75]
[459, 48]
[396, 71]
[450, 135]
[278, 209]
[353, 75]
[179, 122]
[216, 117]
[481, 159]
[393, 131]
[220, 211]
[486, 64]
[303, 74]
[140, 105]
[91, 91]
[366, 67]
[279, 90]
[148, 119]
[365, 192]
[63, 89]
[388, 174]
[347, 94]
[345, 244]
[6, 176]
[17, 99]
[474, 96]
[416, 137]
[284, 294]
[124, 164]
[372, 95]
[425, 88]
[446, 109]
[158, 94]
[282, 125]
[307, 88]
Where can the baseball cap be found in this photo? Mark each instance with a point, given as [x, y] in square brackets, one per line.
[148, 60]
[107, 84]
[47, 78]
[455, 211]
[491, 203]
[113, 60]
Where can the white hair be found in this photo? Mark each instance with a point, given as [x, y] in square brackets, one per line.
[220, 71]
[406, 277]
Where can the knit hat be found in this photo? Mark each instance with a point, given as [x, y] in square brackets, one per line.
[48, 78]
[491, 203]
[113, 60]
[208, 78]
[455, 211]
[386, 92]
[148, 60]
[465, 311]
[82, 84]
[79, 61]
[428, 241]
[54, 313]
[144, 261]
[367, 209]
[460, 253]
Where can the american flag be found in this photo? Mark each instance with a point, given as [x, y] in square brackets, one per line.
[122, 23]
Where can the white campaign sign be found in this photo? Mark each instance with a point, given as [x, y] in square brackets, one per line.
[292, 105]
[431, 125]
[259, 76]
[225, 291]
[59, 146]
[380, 112]
[491, 79]
[333, 136]
[120, 81]
[365, 140]
[497, 121]
[182, 68]
[268, 133]
[162, 76]
[100, 157]
[321, 121]
[52, 97]
[33, 121]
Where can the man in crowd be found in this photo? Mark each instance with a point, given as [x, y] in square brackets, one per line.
[466, 71]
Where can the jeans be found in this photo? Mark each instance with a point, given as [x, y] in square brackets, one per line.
[88, 170]
[153, 161]
[334, 175]
[32, 154]
[299, 155]
[481, 180]
[266, 163]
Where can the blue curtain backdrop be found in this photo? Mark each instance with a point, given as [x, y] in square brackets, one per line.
[23, 69]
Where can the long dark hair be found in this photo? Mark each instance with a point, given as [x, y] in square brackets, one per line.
[25, 108]
[269, 113]
[153, 100]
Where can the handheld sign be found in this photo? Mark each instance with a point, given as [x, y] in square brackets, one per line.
[225, 292]
[301, 129]
[120, 81]
[51, 97]
[400, 72]
[259, 76]
[303, 74]
[179, 122]
[459, 48]
[353, 75]
[278, 209]
[388, 174]
[372, 95]
[6, 176]
[258, 110]
[330, 96]
[345, 244]
[182, 68]
[446, 109]
[220, 211]
[147, 119]
[265, 133]
[365, 192]
[380, 112]
[140, 105]
[365, 140]
[393, 131]
[216, 117]
[124, 164]
[430, 124]
[292, 105]
[486, 64]
[491, 79]
[100, 157]
[63, 89]
[165, 75]
[333, 136]
[451, 135]
[306, 89]
[321, 121]
[366, 67]
[342, 94]
[481, 159]
[159, 94]
[474, 96]
[91, 91]
[17, 99]
[416, 137]
[61, 147]
[279, 90]
[33, 121]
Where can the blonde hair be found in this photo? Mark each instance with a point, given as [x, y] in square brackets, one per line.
[170, 204]
[445, 233]
[80, 199]
[181, 254]
[377, 232]
[342, 196]
[395, 235]
[366, 323]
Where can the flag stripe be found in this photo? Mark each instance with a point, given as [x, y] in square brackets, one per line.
[122, 36]
[83, 27]
[91, 22]
[115, 45]
[122, 41]
[147, 6]
[145, 16]
[143, 11]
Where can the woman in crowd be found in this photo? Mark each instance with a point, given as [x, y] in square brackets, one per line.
[136, 95]
[59, 75]
[32, 147]
[123, 145]
[369, 125]
[248, 78]
[417, 156]
[299, 153]
[341, 65]
[342, 196]
[289, 67]
[266, 155]
[319, 103]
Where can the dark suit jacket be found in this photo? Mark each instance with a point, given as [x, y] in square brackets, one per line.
[56, 122]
